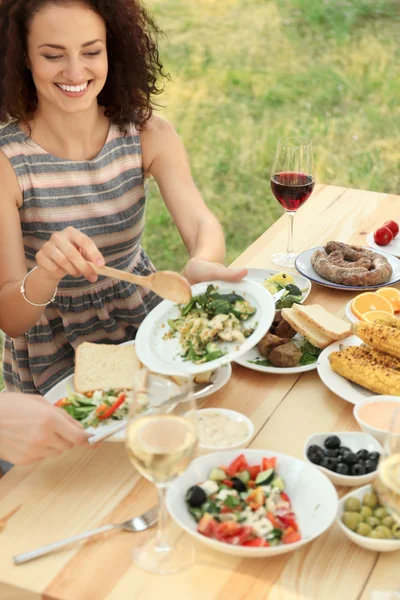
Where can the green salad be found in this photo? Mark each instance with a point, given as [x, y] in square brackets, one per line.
[207, 319]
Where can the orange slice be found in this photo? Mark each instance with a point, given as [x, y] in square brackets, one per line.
[391, 294]
[368, 302]
[379, 315]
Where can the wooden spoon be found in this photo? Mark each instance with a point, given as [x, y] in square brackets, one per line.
[167, 284]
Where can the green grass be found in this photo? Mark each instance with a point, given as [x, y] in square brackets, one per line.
[246, 72]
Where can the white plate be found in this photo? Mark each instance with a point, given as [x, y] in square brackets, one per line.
[254, 353]
[260, 275]
[376, 545]
[313, 497]
[355, 440]
[336, 383]
[221, 377]
[233, 415]
[393, 248]
[303, 265]
[349, 313]
[164, 355]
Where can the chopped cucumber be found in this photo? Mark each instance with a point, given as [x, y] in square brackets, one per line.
[278, 483]
[265, 477]
[196, 512]
[217, 475]
[244, 476]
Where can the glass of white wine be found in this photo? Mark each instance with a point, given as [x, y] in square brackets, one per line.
[387, 482]
[161, 440]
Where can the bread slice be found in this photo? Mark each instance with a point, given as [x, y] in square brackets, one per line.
[104, 366]
[329, 324]
[305, 328]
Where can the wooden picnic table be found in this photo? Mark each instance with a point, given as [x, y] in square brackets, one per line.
[86, 488]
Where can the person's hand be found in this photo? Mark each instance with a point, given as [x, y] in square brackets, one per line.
[198, 270]
[32, 429]
[67, 252]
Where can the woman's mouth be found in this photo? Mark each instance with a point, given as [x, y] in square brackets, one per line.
[74, 91]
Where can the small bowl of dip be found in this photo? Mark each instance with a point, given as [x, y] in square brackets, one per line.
[374, 415]
[221, 429]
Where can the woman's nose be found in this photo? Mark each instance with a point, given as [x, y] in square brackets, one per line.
[75, 70]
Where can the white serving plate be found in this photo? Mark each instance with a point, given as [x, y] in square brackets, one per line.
[392, 248]
[233, 415]
[355, 440]
[340, 386]
[376, 545]
[252, 354]
[164, 355]
[60, 390]
[303, 265]
[313, 497]
[260, 275]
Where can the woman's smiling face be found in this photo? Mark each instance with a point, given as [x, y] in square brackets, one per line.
[67, 56]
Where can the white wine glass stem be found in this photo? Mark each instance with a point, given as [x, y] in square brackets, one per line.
[290, 232]
[162, 542]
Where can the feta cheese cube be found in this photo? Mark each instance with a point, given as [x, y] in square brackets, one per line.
[210, 487]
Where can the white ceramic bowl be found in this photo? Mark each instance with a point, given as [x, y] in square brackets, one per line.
[233, 415]
[379, 434]
[355, 440]
[313, 497]
[374, 544]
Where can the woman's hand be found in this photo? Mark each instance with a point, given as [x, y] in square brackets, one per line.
[67, 252]
[32, 429]
[198, 270]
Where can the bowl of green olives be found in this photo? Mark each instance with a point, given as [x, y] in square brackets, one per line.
[368, 524]
[348, 458]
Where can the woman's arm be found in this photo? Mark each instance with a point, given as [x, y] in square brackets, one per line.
[165, 158]
[16, 314]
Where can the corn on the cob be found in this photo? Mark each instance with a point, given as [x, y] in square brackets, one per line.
[383, 338]
[374, 357]
[389, 321]
[358, 369]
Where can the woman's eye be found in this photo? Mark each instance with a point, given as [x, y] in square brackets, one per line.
[53, 57]
[93, 53]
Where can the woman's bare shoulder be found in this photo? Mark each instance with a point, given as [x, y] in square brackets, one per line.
[11, 191]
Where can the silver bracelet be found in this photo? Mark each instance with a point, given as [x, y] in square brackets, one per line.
[22, 290]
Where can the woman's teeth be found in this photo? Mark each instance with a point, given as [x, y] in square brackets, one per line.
[73, 88]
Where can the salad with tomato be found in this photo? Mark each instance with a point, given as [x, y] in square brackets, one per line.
[95, 408]
[244, 505]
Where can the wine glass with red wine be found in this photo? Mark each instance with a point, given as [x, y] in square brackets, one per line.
[292, 183]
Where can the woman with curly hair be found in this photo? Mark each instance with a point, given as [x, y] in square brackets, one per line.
[77, 82]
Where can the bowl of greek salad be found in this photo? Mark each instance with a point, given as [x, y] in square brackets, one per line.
[252, 502]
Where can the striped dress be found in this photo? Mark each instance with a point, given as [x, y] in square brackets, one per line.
[104, 198]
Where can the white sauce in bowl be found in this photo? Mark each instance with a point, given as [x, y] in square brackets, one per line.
[217, 430]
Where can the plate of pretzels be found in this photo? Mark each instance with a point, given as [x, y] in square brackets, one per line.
[347, 267]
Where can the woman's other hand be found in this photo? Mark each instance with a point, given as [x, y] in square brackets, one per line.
[32, 429]
[198, 270]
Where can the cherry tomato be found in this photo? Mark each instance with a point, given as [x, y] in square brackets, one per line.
[256, 543]
[393, 226]
[290, 536]
[239, 464]
[383, 236]
[268, 463]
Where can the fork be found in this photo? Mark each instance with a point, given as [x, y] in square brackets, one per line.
[136, 524]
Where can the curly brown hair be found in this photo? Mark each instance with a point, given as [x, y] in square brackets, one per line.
[130, 85]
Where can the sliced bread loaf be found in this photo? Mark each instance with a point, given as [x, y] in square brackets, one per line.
[104, 366]
[305, 328]
[329, 324]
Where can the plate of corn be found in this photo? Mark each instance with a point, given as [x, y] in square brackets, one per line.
[363, 365]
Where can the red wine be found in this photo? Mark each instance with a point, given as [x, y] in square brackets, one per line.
[292, 189]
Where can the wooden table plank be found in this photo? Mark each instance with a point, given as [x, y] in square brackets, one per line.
[86, 488]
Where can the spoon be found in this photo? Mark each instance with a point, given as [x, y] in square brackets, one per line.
[167, 284]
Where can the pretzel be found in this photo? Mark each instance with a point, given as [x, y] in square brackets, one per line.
[351, 265]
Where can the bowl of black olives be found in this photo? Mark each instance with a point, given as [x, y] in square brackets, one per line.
[349, 458]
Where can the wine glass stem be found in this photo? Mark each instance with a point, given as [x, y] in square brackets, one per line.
[162, 542]
[290, 232]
